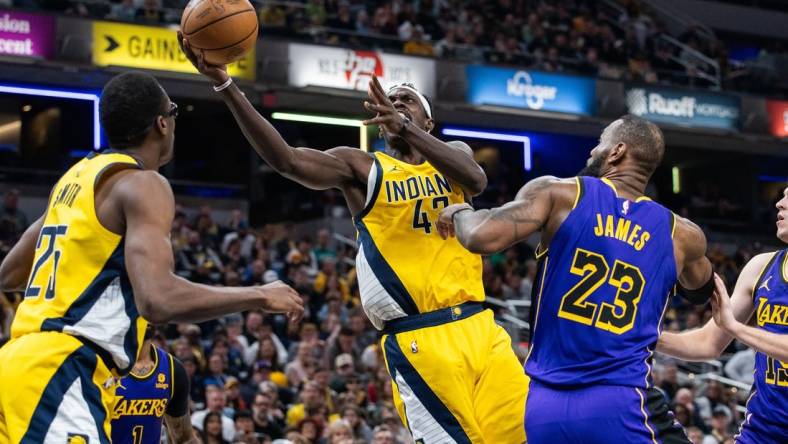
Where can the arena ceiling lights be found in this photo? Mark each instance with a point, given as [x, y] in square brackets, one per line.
[61, 94]
[492, 135]
[325, 120]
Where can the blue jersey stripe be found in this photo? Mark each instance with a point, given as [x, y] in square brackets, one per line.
[383, 271]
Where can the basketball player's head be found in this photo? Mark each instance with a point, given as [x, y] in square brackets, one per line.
[628, 144]
[782, 217]
[137, 113]
[414, 105]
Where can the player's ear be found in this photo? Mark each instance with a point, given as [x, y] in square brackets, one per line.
[161, 125]
[430, 125]
[616, 153]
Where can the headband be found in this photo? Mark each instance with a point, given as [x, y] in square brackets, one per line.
[424, 103]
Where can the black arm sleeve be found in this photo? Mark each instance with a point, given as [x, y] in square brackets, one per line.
[179, 404]
[701, 295]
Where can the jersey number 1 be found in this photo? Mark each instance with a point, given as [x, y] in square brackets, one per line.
[50, 232]
[618, 317]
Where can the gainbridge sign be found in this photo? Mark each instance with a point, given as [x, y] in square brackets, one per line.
[351, 69]
[148, 47]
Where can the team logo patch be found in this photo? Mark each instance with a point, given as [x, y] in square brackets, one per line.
[161, 381]
[414, 348]
[625, 208]
[77, 438]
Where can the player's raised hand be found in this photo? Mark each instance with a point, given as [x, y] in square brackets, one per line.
[445, 223]
[281, 298]
[217, 73]
[387, 116]
[721, 305]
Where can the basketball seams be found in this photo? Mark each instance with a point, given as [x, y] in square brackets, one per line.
[254, 31]
[205, 25]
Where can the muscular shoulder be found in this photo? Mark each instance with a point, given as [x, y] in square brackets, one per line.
[559, 189]
[143, 191]
[689, 237]
[461, 146]
[754, 267]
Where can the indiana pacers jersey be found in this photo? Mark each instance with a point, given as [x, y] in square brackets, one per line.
[767, 407]
[602, 290]
[142, 402]
[78, 284]
[403, 265]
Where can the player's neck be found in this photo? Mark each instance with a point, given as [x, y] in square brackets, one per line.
[145, 362]
[629, 185]
[410, 156]
[147, 156]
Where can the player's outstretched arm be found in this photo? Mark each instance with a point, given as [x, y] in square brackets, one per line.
[312, 168]
[453, 159]
[147, 204]
[490, 231]
[766, 342]
[709, 341]
[17, 265]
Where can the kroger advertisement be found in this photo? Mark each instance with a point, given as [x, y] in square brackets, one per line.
[684, 108]
[27, 35]
[352, 69]
[529, 89]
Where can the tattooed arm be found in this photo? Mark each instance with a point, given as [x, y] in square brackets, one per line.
[489, 231]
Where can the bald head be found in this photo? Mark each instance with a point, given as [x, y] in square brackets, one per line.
[643, 138]
[629, 143]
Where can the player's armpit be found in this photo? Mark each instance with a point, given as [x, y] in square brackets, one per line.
[16, 266]
[333, 168]
[179, 429]
[489, 231]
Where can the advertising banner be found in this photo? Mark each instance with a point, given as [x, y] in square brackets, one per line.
[28, 35]
[778, 117]
[351, 69]
[148, 47]
[533, 90]
[684, 108]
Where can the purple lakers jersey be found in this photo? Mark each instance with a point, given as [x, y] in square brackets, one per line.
[770, 299]
[140, 403]
[602, 288]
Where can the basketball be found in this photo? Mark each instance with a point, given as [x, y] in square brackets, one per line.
[224, 30]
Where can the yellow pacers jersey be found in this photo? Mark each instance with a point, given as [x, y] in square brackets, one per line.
[78, 284]
[403, 265]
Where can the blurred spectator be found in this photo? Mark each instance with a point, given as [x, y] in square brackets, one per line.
[417, 44]
[215, 404]
[244, 427]
[150, 12]
[268, 419]
[740, 366]
[214, 429]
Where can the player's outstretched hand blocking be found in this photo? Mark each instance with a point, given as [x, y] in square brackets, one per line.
[217, 73]
[445, 223]
[281, 298]
[387, 116]
[721, 307]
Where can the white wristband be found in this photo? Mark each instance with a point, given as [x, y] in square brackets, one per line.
[224, 85]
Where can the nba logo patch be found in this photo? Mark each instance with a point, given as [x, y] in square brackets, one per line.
[414, 348]
[77, 438]
[625, 208]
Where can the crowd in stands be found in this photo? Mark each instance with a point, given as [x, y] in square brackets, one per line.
[576, 36]
[257, 378]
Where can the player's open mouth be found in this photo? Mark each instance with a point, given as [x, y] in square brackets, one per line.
[405, 112]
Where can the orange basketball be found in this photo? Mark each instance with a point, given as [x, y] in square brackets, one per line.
[224, 30]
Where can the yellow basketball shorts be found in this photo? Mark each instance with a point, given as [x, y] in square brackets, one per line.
[52, 391]
[456, 377]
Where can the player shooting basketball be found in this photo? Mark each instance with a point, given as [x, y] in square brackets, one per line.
[423, 292]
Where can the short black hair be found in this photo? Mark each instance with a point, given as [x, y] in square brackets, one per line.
[130, 103]
[644, 138]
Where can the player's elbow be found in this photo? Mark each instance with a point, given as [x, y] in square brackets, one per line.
[154, 310]
[9, 281]
[477, 183]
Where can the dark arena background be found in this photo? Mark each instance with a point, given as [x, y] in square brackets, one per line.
[528, 84]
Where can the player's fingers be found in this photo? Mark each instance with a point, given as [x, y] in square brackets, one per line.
[376, 121]
[377, 108]
[377, 89]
